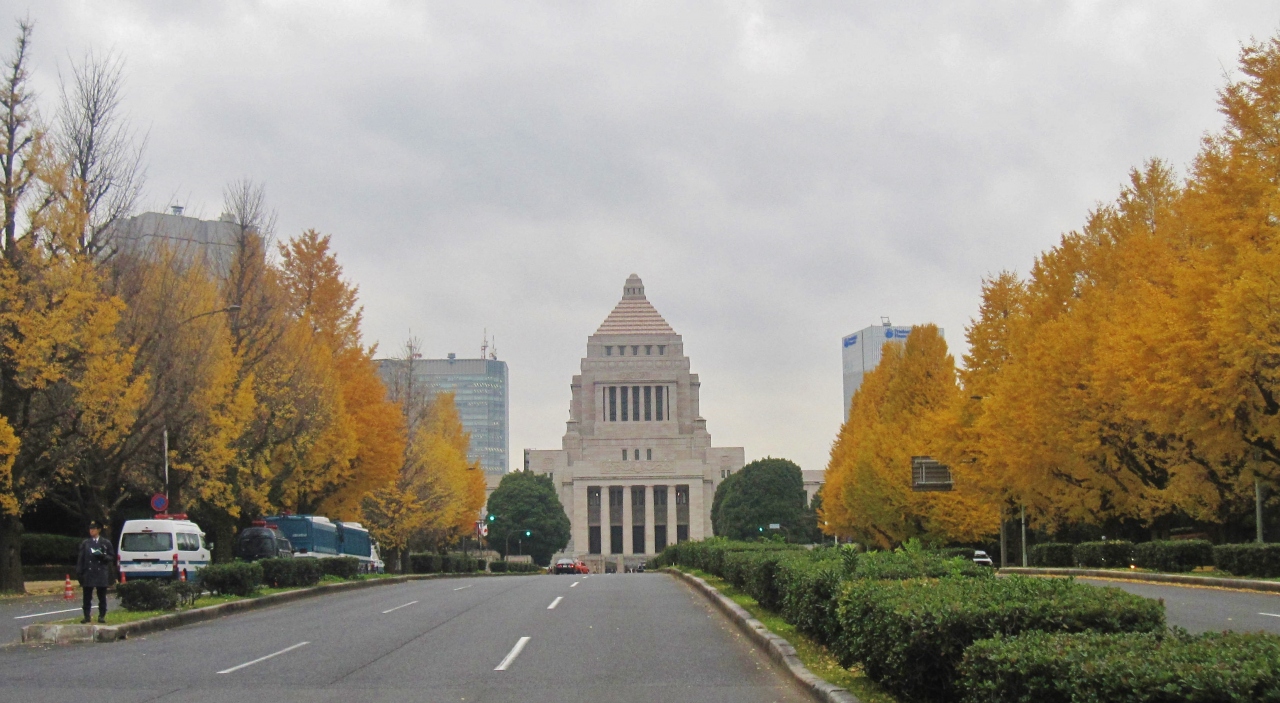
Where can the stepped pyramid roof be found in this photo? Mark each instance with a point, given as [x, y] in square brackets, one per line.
[634, 314]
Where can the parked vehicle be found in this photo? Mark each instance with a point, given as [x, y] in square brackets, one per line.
[980, 557]
[318, 537]
[169, 546]
[262, 541]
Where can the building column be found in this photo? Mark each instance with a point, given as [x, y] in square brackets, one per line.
[671, 512]
[626, 520]
[649, 539]
[579, 529]
[696, 521]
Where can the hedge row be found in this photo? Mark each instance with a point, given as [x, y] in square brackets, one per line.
[342, 567]
[910, 636]
[906, 564]
[1051, 554]
[237, 578]
[290, 572]
[41, 549]
[157, 594]
[1100, 555]
[444, 564]
[513, 567]
[1260, 560]
[1052, 667]
[1174, 555]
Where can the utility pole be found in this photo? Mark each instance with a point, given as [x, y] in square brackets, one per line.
[1257, 505]
[1024, 536]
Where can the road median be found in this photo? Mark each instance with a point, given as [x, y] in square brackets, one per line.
[778, 648]
[76, 633]
[1236, 584]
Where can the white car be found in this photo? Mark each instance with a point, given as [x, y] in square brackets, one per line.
[162, 548]
[980, 557]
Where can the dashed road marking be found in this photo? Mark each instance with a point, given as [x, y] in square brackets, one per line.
[555, 602]
[511, 656]
[406, 605]
[262, 659]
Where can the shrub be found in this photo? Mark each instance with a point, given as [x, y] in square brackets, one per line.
[518, 567]
[1173, 555]
[1048, 668]
[288, 572]
[344, 567]
[953, 552]
[1260, 560]
[910, 635]
[237, 578]
[147, 594]
[808, 586]
[1098, 555]
[41, 549]
[186, 592]
[481, 564]
[907, 564]
[498, 567]
[1052, 554]
[424, 563]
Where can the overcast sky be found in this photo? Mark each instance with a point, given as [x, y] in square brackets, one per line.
[779, 174]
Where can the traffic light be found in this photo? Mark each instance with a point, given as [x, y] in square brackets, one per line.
[760, 528]
[528, 533]
[492, 517]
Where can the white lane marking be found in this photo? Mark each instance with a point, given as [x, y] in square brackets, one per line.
[575, 583]
[52, 612]
[459, 588]
[406, 605]
[555, 602]
[511, 656]
[1271, 614]
[262, 659]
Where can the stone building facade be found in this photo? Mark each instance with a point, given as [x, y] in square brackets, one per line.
[636, 470]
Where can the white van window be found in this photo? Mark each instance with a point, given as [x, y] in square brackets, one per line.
[146, 542]
[188, 542]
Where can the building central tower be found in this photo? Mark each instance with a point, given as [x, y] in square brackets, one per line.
[637, 470]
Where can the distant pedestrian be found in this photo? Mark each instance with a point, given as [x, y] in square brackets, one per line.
[93, 569]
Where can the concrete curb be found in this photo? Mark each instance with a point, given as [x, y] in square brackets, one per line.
[779, 649]
[1168, 579]
[67, 634]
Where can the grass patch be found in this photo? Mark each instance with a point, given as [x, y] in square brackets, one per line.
[814, 656]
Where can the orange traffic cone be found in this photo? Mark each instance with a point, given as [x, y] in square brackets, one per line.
[67, 592]
[184, 575]
[124, 578]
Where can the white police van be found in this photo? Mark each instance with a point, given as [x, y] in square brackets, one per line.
[170, 546]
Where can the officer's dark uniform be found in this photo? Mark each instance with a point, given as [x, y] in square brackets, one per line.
[93, 569]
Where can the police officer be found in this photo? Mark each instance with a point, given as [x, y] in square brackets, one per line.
[93, 569]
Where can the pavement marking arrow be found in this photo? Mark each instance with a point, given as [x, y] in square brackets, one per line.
[262, 659]
[511, 656]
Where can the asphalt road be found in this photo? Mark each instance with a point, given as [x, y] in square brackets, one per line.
[17, 612]
[634, 637]
[1209, 609]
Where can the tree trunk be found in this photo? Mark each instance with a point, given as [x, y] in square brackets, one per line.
[11, 555]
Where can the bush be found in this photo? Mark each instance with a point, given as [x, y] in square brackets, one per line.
[40, 549]
[424, 563]
[186, 592]
[147, 594]
[1048, 668]
[291, 572]
[513, 567]
[1052, 554]
[1097, 555]
[910, 635]
[1173, 555]
[344, 567]
[237, 578]
[498, 567]
[907, 564]
[808, 586]
[953, 552]
[1260, 560]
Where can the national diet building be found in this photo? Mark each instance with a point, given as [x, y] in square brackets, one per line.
[637, 470]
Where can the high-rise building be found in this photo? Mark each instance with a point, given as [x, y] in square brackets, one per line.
[213, 239]
[480, 392]
[861, 352]
[636, 470]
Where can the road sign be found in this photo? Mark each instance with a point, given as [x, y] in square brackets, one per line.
[775, 526]
[928, 474]
[159, 502]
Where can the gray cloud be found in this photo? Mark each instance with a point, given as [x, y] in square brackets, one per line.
[780, 174]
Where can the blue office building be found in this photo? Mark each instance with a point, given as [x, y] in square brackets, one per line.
[861, 352]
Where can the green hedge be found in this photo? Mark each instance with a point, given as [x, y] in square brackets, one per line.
[424, 563]
[41, 549]
[1052, 554]
[1050, 668]
[907, 564]
[237, 578]
[953, 552]
[910, 635]
[1177, 555]
[147, 594]
[291, 572]
[512, 567]
[1099, 555]
[808, 585]
[708, 555]
[343, 567]
[1259, 560]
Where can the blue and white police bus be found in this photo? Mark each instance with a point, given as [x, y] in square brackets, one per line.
[319, 537]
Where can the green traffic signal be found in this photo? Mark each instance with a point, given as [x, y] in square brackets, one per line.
[527, 533]
[492, 518]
